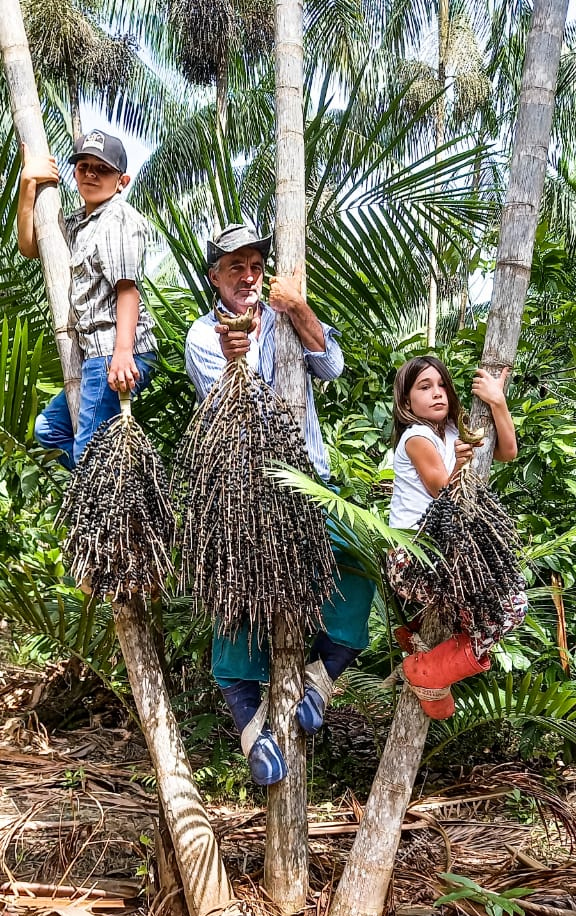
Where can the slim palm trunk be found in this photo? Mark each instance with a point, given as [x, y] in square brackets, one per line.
[366, 879]
[205, 883]
[52, 245]
[286, 860]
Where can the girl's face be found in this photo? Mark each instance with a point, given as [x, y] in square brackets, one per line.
[428, 398]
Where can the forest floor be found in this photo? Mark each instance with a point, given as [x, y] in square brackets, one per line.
[78, 813]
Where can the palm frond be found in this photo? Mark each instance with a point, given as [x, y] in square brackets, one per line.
[63, 622]
[548, 707]
[19, 372]
[366, 536]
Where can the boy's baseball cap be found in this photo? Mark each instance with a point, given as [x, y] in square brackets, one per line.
[109, 149]
[233, 237]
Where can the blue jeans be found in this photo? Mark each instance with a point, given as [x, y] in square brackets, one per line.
[53, 427]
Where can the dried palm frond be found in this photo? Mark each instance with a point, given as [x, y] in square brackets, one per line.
[550, 804]
[116, 506]
[250, 548]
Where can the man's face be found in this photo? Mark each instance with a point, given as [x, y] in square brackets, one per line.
[97, 181]
[239, 279]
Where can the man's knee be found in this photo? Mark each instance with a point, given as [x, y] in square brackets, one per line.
[50, 435]
[238, 659]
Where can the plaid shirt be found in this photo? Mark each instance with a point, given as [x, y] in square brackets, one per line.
[105, 247]
[205, 362]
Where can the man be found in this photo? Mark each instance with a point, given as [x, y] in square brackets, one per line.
[107, 239]
[236, 260]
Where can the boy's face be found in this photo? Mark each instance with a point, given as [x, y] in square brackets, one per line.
[97, 181]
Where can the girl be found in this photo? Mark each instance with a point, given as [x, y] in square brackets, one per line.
[428, 455]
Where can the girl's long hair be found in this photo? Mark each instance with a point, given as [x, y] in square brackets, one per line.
[405, 378]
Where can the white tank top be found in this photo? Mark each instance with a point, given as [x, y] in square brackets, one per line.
[410, 498]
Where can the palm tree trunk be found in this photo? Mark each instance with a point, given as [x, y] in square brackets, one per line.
[52, 245]
[74, 96]
[522, 208]
[222, 97]
[366, 879]
[286, 859]
[221, 130]
[467, 255]
[443, 26]
[205, 883]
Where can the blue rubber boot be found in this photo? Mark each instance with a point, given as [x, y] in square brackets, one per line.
[327, 662]
[265, 759]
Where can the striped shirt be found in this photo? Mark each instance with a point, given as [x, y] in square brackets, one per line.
[105, 247]
[205, 362]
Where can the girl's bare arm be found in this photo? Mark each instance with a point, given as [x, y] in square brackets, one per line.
[429, 465]
[491, 390]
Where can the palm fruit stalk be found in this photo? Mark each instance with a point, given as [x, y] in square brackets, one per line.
[249, 547]
[473, 550]
[118, 513]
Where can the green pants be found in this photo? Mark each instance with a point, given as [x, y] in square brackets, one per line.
[345, 619]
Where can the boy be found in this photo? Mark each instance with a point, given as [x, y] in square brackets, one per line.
[107, 240]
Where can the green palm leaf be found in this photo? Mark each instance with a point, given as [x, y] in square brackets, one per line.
[19, 372]
[366, 535]
[548, 707]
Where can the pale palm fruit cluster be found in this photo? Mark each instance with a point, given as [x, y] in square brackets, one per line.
[250, 548]
[67, 40]
[117, 509]
[215, 29]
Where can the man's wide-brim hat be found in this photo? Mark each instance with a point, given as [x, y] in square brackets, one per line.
[233, 237]
[109, 149]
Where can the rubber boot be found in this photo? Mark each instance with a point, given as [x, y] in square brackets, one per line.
[265, 759]
[405, 634]
[430, 674]
[327, 662]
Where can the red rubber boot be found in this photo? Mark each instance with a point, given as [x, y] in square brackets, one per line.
[430, 674]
